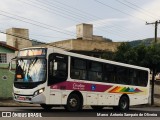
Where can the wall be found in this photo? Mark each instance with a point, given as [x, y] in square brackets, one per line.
[10, 54]
[16, 41]
[87, 45]
[5, 50]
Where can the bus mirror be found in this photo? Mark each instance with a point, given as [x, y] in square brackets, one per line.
[55, 66]
[10, 66]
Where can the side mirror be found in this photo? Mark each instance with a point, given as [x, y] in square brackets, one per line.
[10, 65]
[55, 66]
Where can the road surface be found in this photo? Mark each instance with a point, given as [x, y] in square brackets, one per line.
[61, 112]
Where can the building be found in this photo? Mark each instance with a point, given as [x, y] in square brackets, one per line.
[18, 38]
[7, 52]
[86, 43]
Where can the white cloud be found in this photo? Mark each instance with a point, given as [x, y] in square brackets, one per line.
[150, 11]
[2, 37]
[99, 23]
[104, 22]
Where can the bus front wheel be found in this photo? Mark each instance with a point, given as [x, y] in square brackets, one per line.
[46, 107]
[73, 103]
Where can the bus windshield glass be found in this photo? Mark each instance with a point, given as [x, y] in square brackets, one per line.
[30, 70]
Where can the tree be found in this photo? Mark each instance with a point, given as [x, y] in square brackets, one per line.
[152, 60]
[141, 55]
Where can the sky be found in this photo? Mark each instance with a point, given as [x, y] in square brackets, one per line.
[55, 20]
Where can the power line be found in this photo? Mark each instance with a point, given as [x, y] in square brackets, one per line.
[32, 40]
[146, 13]
[112, 30]
[51, 11]
[35, 24]
[101, 29]
[117, 9]
[71, 13]
[40, 23]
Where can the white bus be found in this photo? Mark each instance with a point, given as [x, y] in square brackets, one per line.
[54, 77]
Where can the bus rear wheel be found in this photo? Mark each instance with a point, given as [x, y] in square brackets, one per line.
[123, 104]
[73, 103]
[46, 107]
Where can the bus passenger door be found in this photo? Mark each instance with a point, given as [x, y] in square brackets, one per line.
[57, 75]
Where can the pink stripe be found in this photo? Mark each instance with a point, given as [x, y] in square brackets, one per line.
[68, 85]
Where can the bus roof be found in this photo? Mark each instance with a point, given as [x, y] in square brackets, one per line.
[62, 51]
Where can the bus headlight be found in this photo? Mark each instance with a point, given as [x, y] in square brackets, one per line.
[38, 92]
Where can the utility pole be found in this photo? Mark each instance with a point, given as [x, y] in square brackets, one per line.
[156, 26]
[154, 71]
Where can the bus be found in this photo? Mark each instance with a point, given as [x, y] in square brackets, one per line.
[54, 77]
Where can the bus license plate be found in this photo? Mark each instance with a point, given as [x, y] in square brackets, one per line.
[21, 98]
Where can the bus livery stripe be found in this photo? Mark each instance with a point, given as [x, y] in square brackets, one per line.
[68, 85]
[126, 90]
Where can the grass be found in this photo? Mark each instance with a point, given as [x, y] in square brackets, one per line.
[6, 86]
[6, 66]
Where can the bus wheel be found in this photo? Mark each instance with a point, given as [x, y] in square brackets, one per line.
[46, 107]
[123, 104]
[73, 103]
[97, 107]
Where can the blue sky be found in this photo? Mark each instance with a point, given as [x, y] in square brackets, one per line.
[55, 20]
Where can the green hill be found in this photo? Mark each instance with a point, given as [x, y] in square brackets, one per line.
[147, 41]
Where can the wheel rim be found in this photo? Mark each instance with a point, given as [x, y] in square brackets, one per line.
[123, 104]
[73, 102]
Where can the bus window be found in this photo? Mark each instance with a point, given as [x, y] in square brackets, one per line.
[95, 71]
[58, 70]
[109, 73]
[143, 78]
[122, 75]
[132, 77]
[78, 69]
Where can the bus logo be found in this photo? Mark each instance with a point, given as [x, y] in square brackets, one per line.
[78, 86]
[93, 87]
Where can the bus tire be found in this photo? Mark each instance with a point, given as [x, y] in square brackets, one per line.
[97, 107]
[46, 107]
[73, 103]
[123, 104]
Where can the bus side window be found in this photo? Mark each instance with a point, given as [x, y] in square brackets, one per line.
[95, 71]
[78, 69]
[109, 73]
[143, 78]
[58, 70]
[132, 77]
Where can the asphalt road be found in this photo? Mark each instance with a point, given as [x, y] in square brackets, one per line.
[61, 112]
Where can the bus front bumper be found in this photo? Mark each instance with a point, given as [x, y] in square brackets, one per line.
[39, 99]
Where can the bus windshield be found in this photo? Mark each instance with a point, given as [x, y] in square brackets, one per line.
[30, 70]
